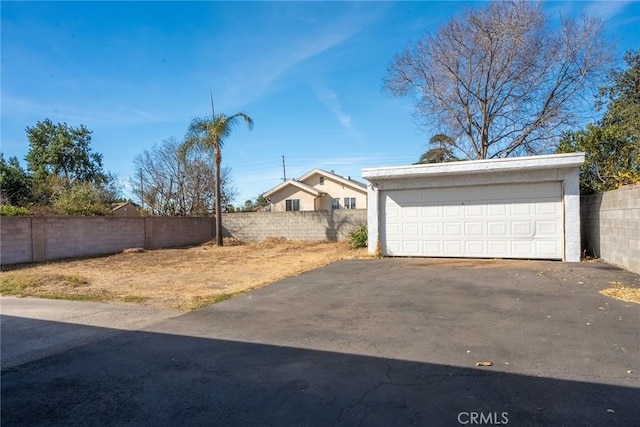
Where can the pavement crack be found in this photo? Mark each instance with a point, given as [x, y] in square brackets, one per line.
[428, 381]
[389, 370]
[359, 402]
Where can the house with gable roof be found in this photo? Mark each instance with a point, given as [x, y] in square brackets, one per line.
[317, 190]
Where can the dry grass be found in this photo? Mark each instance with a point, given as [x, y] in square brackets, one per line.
[183, 279]
[622, 292]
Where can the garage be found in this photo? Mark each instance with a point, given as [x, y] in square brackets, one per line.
[526, 208]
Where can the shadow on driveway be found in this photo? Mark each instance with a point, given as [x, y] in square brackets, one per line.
[145, 378]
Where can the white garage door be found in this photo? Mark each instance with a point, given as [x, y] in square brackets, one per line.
[495, 221]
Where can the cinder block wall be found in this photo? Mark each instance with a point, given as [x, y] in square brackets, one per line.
[70, 237]
[304, 225]
[15, 240]
[166, 232]
[37, 239]
[611, 226]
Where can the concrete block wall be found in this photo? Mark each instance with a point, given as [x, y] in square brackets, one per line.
[15, 240]
[71, 237]
[38, 239]
[166, 232]
[304, 225]
[611, 226]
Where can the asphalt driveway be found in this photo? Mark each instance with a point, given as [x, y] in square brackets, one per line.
[363, 342]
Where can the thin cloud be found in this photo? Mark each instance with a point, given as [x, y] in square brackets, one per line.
[330, 100]
[257, 76]
[607, 10]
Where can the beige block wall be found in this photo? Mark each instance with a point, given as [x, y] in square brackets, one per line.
[15, 240]
[38, 239]
[611, 227]
[70, 237]
[309, 225]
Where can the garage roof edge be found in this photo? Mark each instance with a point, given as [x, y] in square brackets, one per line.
[552, 161]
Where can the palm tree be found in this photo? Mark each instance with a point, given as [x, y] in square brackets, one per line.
[209, 134]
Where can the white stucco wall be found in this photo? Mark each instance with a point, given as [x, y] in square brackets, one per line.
[562, 167]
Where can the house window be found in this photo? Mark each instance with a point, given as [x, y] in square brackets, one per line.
[349, 202]
[292, 204]
[335, 204]
[322, 180]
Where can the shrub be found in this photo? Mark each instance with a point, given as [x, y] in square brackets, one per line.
[82, 199]
[358, 238]
[8, 210]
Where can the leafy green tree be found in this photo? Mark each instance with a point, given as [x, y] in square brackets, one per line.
[252, 205]
[66, 175]
[442, 148]
[612, 145]
[62, 150]
[209, 134]
[621, 98]
[15, 183]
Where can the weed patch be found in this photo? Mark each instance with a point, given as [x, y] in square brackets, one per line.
[53, 286]
[622, 292]
[183, 279]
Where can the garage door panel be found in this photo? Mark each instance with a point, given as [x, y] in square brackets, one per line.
[452, 229]
[393, 247]
[546, 247]
[411, 247]
[452, 211]
[431, 229]
[498, 248]
[547, 228]
[452, 247]
[431, 246]
[521, 209]
[410, 230]
[506, 220]
[474, 229]
[471, 211]
[476, 248]
[392, 211]
[393, 229]
[497, 228]
[431, 212]
[521, 229]
[521, 248]
[411, 212]
[497, 209]
[547, 208]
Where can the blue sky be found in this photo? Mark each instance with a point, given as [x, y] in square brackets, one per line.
[308, 73]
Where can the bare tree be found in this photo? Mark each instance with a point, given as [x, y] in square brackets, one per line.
[501, 80]
[168, 184]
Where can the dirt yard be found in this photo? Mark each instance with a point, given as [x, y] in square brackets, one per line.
[183, 279]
